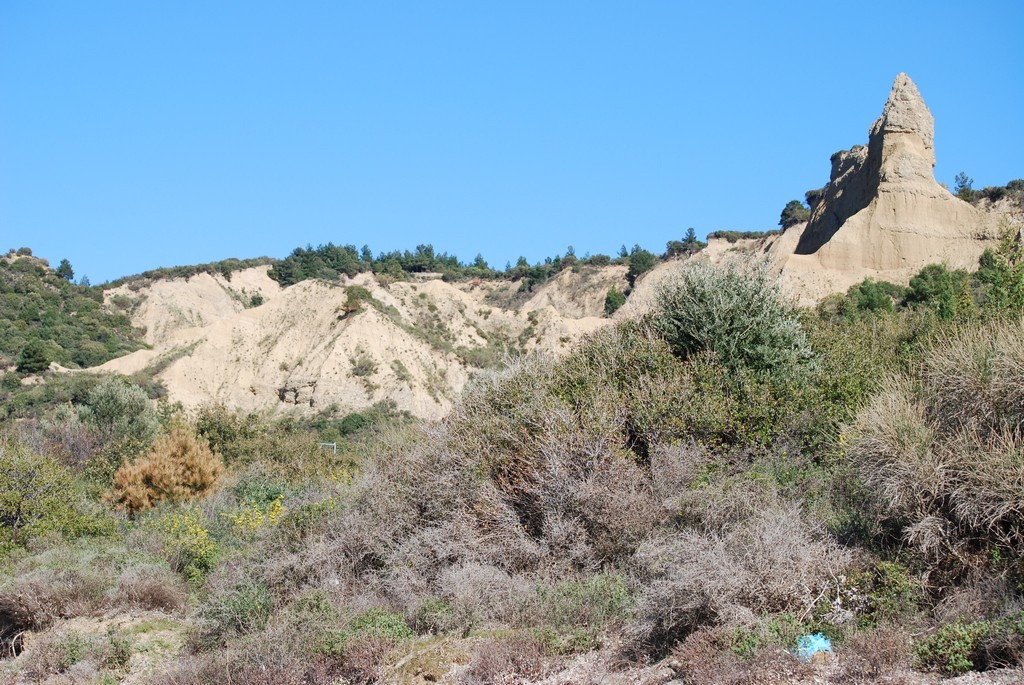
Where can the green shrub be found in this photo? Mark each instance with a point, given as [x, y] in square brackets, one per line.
[565, 642]
[35, 357]
[223, 268]
[737, 311]
[813, 197]
[287, 451]
[355, 296]
[10, 381]
[118, 650]
[185, 541]
[373, 624]
[993, 193]
[945, 290]
[640, 262]
[258, 490]
[781, 630]
[229, 432]
[689, 245]
[125, 420]
[243, 609]
[594, 601]
[734, 236]
[1000, 275]
[435, 615]
[301, 521]
[380, 623]
[37, 496]
[363, 365]
[888, 593]
[794, 213]
[876, 296]
[953, 649]
[613, 300]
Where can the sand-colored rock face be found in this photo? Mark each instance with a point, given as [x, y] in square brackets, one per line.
[163, 307]
[882, 214]
[418, 344]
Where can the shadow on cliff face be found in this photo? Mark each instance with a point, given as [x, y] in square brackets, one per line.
[852, 185]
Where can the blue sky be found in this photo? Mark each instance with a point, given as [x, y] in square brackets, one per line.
[142, 134]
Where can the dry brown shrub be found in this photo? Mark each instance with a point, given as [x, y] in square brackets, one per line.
[772, 666]
[514, 659]
[704, 658]
[772, 562]
[151, 586]
[978, 597]
[986, 484]
[14, 623]
[868, 656]
[39, 599]
[942, 454]
[479, 593]
[617, 505]
[673, 470]
[727, 501]
[270, 658]
[180, 466]
[976, 376]
[892, 443]
[365, 659]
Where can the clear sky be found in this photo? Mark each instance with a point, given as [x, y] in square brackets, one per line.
[142, 134]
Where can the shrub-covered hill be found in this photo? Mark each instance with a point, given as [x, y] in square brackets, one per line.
[681, 496]
[44, 318]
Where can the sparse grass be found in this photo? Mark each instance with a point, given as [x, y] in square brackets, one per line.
[363, 365]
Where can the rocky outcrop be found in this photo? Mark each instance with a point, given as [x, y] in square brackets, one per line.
[882, 213]
[301, 350]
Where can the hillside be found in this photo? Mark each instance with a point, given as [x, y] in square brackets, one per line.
[54, 319]
[351, 343]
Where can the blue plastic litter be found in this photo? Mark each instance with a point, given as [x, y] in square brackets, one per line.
[809, 645]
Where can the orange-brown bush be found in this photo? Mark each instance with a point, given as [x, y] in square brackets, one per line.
[180, 466]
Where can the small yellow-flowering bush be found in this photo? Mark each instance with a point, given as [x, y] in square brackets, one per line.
[250, 517]
[186, 542]
[180, 466]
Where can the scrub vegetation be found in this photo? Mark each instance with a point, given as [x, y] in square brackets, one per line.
[695, 489]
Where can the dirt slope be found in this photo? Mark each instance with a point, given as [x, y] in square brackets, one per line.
[416, 343]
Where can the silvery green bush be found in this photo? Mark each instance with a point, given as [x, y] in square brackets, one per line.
[737, 310]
